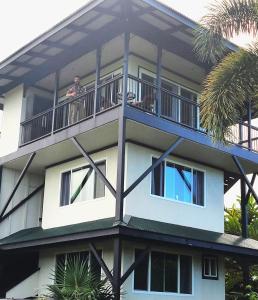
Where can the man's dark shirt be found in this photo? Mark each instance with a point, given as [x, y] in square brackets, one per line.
[78, 89]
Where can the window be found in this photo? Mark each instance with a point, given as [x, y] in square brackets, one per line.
[62, 259]
[210, 267]
[174, 181]
[82, 184]
[163, 272]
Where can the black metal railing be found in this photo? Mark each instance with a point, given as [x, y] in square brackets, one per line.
[245, 135]
[69, 112]
[145, 96]
[142, 95]
[36, 127]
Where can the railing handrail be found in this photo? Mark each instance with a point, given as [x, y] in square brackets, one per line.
[247, 125]
[164, 90]
[45, 112]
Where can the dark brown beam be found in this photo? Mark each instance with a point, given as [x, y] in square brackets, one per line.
[18, 183]
[107, 11]
[241, 170]
[10, 212]
[101, 262]
[117, 268]
[39, 55]
[134, 265]
[249, 191]
[244, 212]
[171, 148]
[94, 166]
[55, 44]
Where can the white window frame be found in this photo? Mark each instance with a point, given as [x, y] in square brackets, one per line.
[104, 160]
[176, 200]
[210, 258]
[149, 291]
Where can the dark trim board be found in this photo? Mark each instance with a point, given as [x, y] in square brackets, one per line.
[188, 134]
[127, 233]
[74, 130]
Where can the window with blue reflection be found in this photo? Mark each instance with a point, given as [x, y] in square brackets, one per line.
[178, 183]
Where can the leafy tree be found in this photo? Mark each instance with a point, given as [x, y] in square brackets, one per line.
[75, 281]
[233, 80]
[235, 287]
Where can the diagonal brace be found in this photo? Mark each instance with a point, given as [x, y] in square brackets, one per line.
[134, 265]
[94, 166]
[21, 202]
[18, 183]
[241, 170]
[171, 148]
[101, 262]
[249, 191]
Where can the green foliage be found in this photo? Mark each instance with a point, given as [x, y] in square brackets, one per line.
[234, 78]
[74, 281]
[235, 287]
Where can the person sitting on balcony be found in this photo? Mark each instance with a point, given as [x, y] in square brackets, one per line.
[76, 110]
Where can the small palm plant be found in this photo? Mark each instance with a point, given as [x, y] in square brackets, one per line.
[75, 281]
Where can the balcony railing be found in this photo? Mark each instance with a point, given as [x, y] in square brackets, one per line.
[141, 95]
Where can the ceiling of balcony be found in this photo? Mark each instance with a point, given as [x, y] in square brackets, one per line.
[86, 29]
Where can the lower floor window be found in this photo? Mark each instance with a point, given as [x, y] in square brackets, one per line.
[210, 267]
[84, 256]
[163, 272]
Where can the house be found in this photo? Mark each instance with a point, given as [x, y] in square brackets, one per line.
[122, 173]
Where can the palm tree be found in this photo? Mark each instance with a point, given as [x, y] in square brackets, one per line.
[75, 281]
[235, 287]
[233, 81]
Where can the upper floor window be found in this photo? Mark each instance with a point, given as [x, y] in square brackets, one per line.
[81, 184]
[163, 272]
[178, 182]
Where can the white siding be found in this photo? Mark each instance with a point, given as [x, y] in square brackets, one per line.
[54, 215]
[203, 289]
[11, 121]
[142, 204]
[29, 213]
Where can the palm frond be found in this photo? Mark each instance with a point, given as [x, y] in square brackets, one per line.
[226, 91]
[224, 20]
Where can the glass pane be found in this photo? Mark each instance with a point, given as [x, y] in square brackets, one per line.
[60, 267]
[213, 263]
[178, 182]
[65, 189]
[141, 272]
[206, 267]
[157, 272]
[99, 186]
[198, 187]
[157, 182]
[82, 184]
[185, 274]
[95, 266]
[171, 271]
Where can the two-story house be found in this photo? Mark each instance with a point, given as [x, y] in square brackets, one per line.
[123, 171]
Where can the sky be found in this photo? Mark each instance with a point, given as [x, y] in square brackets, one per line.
[31, 18]
[22, 21]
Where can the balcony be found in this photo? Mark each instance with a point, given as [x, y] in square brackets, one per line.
[141, 95]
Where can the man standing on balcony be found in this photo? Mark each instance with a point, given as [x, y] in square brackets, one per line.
[75, 107]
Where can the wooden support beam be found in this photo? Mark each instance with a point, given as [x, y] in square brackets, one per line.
[101, 262]
[117, 268]
[17, 183]
[244, 212]
[241, 170]
[94, 166]
[249, 191]
[10, 212]
[171, 148]
[134, 265]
